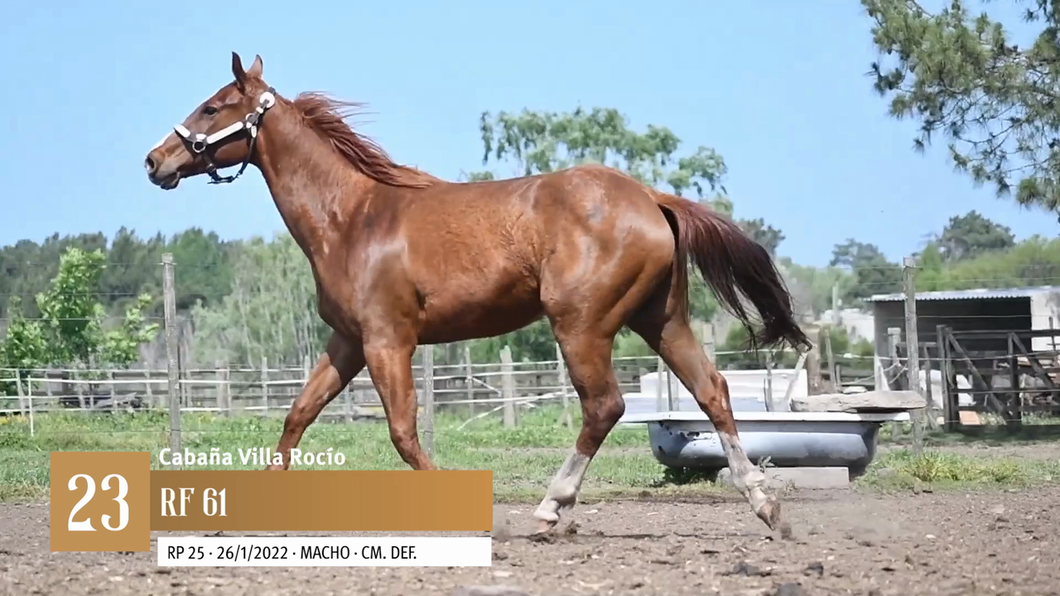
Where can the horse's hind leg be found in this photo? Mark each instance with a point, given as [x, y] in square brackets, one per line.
[588, 360]
[673, 339]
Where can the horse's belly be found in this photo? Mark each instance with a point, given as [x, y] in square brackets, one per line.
[459, 314]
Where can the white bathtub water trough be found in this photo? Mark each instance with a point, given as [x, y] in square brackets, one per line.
[685, 438]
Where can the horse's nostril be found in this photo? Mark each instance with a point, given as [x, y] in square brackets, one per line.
[149, 164]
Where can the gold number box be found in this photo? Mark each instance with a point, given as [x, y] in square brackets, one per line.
[111, 501]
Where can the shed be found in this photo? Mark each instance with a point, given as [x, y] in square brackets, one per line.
[1011, 309]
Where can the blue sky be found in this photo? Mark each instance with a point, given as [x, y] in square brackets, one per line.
[779, 90]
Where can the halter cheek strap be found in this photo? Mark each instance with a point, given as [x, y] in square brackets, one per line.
[199, 142]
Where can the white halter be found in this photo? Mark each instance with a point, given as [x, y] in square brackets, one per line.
[199, 142]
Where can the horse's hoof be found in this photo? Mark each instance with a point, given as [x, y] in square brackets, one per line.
[769, 512]
[544, 526]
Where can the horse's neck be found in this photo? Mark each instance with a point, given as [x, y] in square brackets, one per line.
[311, 185]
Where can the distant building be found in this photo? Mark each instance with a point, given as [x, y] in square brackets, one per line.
[858, 323]
[1013, 309]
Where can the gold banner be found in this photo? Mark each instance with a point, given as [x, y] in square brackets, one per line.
[111, 501]
[322, 500]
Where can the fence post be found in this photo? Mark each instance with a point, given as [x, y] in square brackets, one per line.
[18, 391]
[833, 373]
[79, 388]
[347, 402]
[169, 301]
[708, 340]
[561, 369]
[224, 389]
[305, 374]
[265, 385]
[507, 387]
[113, 393]
[660, 405]
[48, 385]
[672, 401]
[894, 335]
[949, 416]
[770, 406]
[929, 395]
[813, 368]
[428, 399]
[149, 389]
[469, 381]
[29, 403]
[913, 347]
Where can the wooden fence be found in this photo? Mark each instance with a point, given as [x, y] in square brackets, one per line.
[269, 390]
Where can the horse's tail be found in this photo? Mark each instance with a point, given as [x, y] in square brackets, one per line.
[729, 261]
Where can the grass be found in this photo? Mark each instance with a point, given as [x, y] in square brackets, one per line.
[938, 468]
[523, 460]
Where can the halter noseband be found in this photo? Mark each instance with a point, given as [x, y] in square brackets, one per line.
[199, 142]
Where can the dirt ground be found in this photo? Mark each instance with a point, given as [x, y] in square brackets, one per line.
[998, 542]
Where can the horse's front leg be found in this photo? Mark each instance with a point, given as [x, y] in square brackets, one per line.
[339, 364]
[390, 365]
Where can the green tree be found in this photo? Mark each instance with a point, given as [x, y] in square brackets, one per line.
[26, 267]
[271, 310]
[930, 272]
[811, 287]
[873, 273]
[763, 233]
[205, 265]
[72, 329]
[964, 77]
[971, 234]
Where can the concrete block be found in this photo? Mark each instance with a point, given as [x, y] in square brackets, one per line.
[870, 401]
[801, 477]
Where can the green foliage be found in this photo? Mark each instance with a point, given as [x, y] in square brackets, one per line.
[70, 311]
[963, 76]
[811, 287]
[763, 233]
[873, 273]
[843, 346]
[938, 467]
[549, 141]
[133, 267]
[270, 312]
[121, 346]
[24, 346]
[532, 343]
[1032, 262]
[737, 340]
[970, 235]
[208, 267]
[26, 268]
[71, 327]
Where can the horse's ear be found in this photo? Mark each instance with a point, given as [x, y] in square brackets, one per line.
[256, 67]
[238, 72]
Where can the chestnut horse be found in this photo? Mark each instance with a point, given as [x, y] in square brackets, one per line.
[401, 258]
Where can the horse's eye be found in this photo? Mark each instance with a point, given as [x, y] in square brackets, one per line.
[209, 110]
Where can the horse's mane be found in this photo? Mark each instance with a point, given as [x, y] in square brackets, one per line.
[327, 117]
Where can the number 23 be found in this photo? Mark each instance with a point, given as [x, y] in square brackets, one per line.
[86, 524]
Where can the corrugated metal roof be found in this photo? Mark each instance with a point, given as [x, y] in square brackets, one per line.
[978, 294]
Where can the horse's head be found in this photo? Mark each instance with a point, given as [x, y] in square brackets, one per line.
[219, 133]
